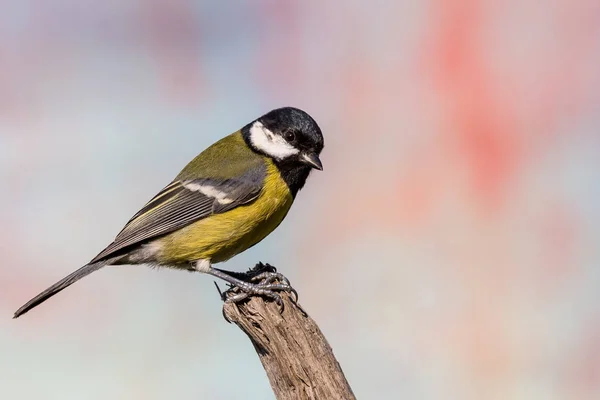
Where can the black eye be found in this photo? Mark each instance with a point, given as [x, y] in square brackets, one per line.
[290, 136]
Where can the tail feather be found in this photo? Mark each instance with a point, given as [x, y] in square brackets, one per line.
[59, 286]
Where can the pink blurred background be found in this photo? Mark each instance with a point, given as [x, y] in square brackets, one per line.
[449, 250]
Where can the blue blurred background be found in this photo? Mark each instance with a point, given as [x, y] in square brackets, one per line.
[449, 250]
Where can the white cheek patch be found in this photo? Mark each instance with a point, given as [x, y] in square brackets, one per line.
[269, 143]
[209, 191]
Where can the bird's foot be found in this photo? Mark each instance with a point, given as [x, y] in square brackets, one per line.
[262, 280]
[266, 273]
[268, 284]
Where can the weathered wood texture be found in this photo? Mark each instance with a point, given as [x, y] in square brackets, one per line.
[296, 356]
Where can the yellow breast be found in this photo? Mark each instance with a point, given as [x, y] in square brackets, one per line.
[222, 236]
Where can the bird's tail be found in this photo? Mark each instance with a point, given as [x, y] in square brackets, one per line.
[60, 285]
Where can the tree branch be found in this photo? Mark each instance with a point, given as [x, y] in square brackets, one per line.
[294, 353]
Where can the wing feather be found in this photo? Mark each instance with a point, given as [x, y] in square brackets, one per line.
[177, 206]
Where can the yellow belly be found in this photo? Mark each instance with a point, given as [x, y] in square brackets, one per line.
[222, 236]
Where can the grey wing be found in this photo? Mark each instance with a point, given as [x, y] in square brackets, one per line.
[182, 203]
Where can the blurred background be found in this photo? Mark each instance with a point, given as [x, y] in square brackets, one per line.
[449, 250]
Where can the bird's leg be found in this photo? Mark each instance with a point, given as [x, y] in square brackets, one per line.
[256, 282]
[264, 273]
[251, 273]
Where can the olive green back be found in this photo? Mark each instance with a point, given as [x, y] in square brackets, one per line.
[228, 158]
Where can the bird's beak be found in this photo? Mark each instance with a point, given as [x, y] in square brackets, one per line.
[312, 160]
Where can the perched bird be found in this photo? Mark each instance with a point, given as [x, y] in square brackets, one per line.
[226, 200]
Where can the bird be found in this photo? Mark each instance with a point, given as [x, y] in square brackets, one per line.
[226, 200]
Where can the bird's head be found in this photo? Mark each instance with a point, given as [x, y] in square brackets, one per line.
[287, 135]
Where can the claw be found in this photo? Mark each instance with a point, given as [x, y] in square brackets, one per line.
[221, 294]
[266, 283]
[294, 295]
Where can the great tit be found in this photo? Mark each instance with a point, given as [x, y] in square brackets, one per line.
[226, 200]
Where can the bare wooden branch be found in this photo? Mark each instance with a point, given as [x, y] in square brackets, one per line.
[296, 356]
